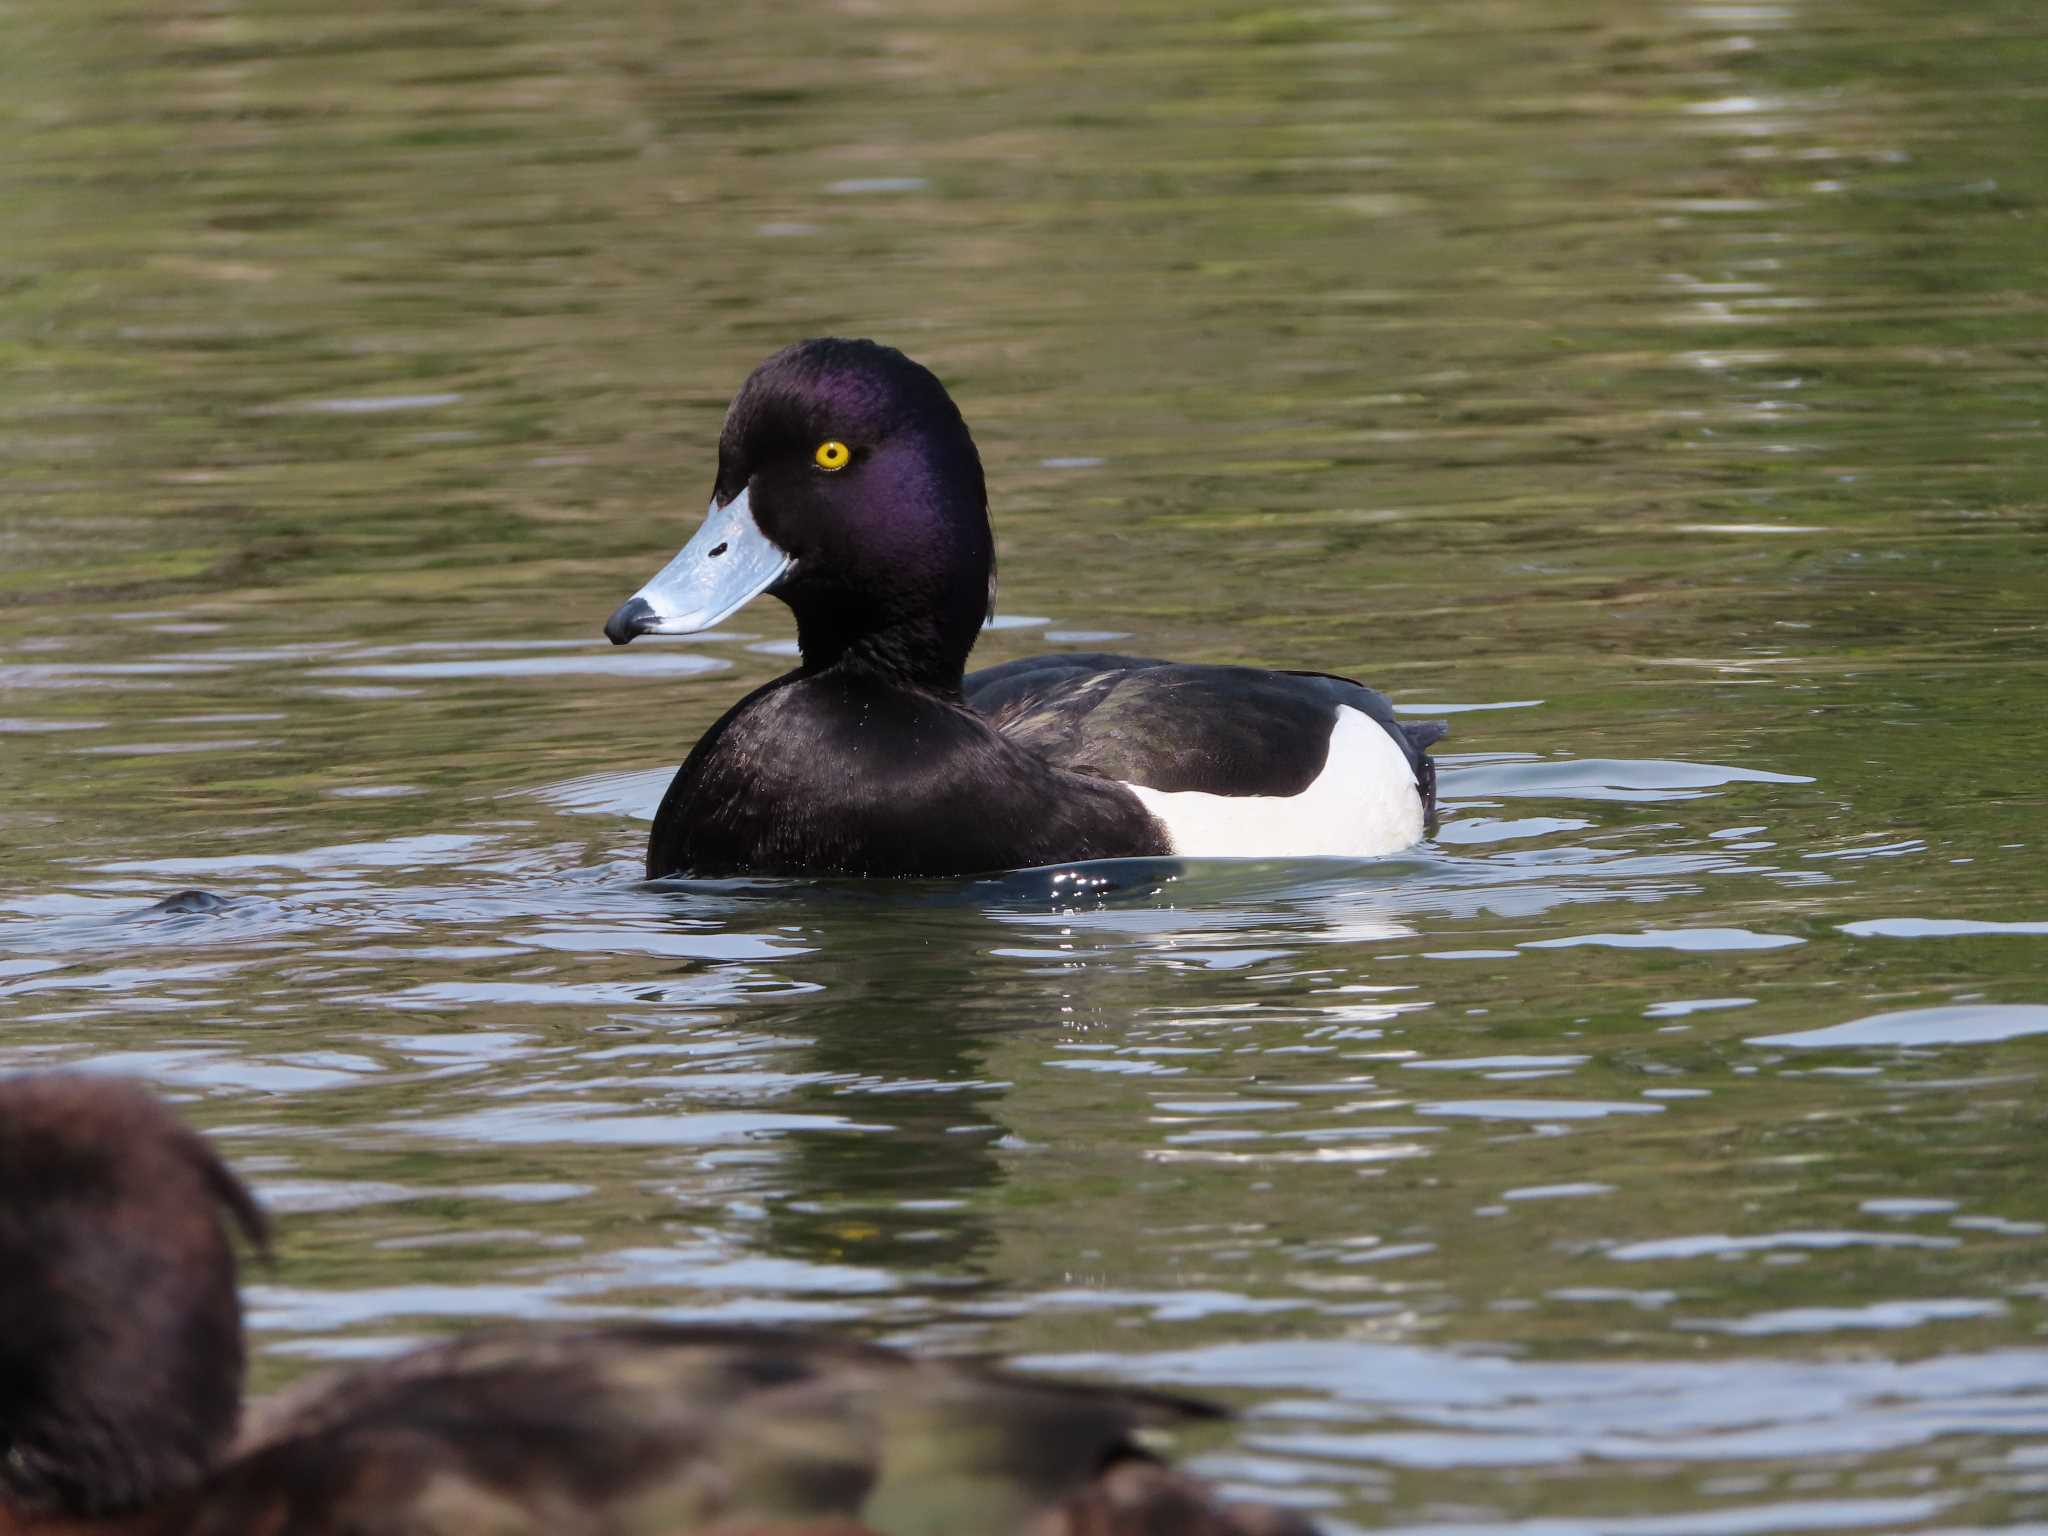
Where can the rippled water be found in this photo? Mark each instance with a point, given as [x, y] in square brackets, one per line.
[1655, 391]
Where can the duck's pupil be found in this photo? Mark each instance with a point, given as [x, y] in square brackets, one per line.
[716, 553]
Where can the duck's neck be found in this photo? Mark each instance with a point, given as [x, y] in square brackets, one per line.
[914, 652]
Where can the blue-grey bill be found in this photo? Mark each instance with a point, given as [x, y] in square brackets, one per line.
[728, 563]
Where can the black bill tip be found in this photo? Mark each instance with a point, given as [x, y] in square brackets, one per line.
[635, 617]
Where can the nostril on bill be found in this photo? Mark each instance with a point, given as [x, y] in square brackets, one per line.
[715, 553]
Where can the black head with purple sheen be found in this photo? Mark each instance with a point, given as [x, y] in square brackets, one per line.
[894, 557]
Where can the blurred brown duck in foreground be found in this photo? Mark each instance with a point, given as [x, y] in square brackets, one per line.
[121, 1361]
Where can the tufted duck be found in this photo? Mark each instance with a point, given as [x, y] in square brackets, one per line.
[849, 487]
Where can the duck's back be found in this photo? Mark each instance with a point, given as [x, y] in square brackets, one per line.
[1221, 754]
[668, 1430]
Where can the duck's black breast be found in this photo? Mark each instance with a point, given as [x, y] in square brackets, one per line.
[838, 773]
[1178, 726]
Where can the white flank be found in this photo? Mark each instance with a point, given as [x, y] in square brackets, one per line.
[1363, 802]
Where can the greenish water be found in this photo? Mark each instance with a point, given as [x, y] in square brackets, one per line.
[1657, 390]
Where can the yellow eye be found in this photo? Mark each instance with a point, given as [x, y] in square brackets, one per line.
[833, 455]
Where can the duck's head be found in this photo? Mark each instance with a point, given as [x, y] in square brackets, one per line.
[120, 1328]
[848, 486]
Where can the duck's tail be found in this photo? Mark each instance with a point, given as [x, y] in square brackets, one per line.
[1422, 735]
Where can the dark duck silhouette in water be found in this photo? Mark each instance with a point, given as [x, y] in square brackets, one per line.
[121, 1360]
[849, 487]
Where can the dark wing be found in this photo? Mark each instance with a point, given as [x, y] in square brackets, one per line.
[663, 1431]
[1176, 726]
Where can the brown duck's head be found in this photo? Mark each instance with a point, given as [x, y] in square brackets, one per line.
[120, 1327]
